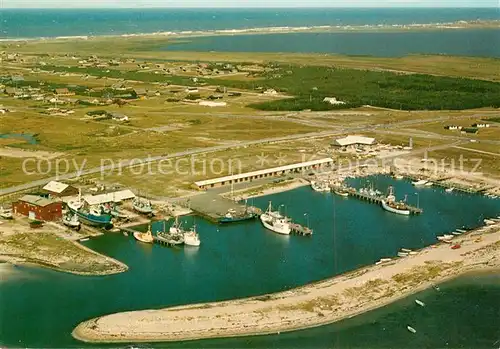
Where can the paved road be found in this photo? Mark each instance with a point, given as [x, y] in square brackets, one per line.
[196, 151]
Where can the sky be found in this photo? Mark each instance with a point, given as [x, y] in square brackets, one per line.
[241, 3]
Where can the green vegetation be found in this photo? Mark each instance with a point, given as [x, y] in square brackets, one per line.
[493, 119]
[310, 85]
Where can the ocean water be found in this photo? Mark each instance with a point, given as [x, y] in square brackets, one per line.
[465, 42]
[65, 22]
[39, 307]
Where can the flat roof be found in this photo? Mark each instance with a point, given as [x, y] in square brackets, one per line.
[55, 187]
[262, 172]
[349, 140]
[109, 197]
[36, 200]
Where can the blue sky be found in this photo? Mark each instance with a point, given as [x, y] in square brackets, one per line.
[243, 3]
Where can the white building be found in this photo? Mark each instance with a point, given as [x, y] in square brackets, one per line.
[270, 92]
[212, 104]
[353, 140]
[333, 101]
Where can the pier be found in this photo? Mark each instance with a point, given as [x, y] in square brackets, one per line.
[300, 230]
[378, 200]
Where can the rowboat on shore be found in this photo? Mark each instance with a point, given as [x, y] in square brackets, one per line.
[419, 302]
[411, 329]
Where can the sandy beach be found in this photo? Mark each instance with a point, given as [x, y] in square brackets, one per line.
[308, 306]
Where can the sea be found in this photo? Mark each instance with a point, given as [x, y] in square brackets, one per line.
[29, 23]
[40, 307]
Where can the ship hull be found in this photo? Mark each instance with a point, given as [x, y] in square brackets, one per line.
[94, 221]
[395, 210]
[147, 239]
[283, 231]
[225, 220]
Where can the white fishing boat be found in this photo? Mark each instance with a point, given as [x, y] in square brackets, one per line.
[391, 205]
[275, 222]
[321, 186]
[449, 190]
[419, 183]
[191, 238]
[71, 220]
[419, 302]
[5, 213]
[142, 206]
[411, 329]
[176, 228]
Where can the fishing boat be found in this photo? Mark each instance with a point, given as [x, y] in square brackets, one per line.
[411, 329]
[176, 228]
[233, 217]
[341, 192]
[170, 239]
[142, 206]
[419, 302]
[5, 213]
[449, 190]
[275, 222]
[419, 183]
[146, 237]
[71, 220]
[321, 186]
[90, 215]
[191, 238]
[391, 205]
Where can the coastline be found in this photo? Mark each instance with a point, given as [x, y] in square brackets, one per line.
[312, 305]
[456, 25]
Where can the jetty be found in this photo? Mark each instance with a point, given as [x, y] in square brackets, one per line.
[300, 229]
[377, 199]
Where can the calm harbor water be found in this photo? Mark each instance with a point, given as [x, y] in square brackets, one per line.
[40, 307]
[464, 42]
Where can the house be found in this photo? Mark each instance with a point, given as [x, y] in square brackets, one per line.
[38, 208]
[453, 127]
[480, 125]
[117, 196]
[119, 117]
[333, 101]
[353, 141]
[58, 190]
[270, 92]
[63, 92]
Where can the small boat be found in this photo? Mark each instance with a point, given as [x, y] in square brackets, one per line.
[455, 247]
[419, 182]
[406, 250]
[84, 239]
[403, 254]
[429, 184]
[489, 222]
[449, 190]
[71, 220]
[341, 192]
[436, 287]
[412, 253]
[419, 302]
[411, 329]
[142, 206]
[462, 231]
[191, 238]
[445, 237]
[6, 213]
[457, 233]
[146, 237]
[321, 186]
[399, 177]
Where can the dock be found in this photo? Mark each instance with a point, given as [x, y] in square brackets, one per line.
[300, 230]
[378, 200]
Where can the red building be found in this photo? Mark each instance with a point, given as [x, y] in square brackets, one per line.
[39, 208]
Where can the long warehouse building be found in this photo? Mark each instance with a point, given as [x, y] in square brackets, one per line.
[270, 172]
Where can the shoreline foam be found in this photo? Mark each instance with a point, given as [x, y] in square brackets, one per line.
[476, 24]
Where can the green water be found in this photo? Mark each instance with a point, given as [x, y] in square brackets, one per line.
[31, 139]
[39, 308]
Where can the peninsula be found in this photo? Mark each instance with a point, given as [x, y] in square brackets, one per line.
[312, 305]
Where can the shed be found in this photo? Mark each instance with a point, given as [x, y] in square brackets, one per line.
[116, 196]
[59, 189]
[38, 208]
